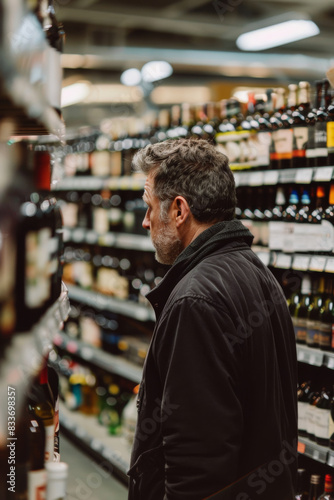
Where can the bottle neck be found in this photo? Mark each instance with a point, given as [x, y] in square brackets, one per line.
[43, 376]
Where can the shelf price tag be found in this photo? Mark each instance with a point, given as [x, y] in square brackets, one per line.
[236, 178]
[329, 268]
[316, 454]
[270, 178]
[315, 359]
[330, 363]
[304, 176]
[256, 179]
[91, 237]
[317, 263]
[323, 174]
[264, 257]
[301, 263]
[125, 183]
[86, 353]
[330, 460]
[301, 447]
[283, 261]
[300, 355]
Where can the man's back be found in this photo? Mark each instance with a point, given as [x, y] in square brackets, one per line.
[223, 360]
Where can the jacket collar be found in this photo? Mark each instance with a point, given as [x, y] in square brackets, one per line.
[222, 234]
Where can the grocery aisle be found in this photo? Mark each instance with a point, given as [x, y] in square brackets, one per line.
[88, 480]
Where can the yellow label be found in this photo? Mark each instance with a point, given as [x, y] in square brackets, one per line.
[330, 134]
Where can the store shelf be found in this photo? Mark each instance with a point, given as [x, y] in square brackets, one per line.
[23, 52]
[118, 306]
[285, 176]
[313, 450]
[297, 261]
[26, 353]
[315, 357]
[95, 437]
[117, 240]
[99, 358]
[134, 182]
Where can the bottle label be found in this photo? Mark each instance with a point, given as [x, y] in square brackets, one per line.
[300, 135]
[325, 335]
[322, 420]
[283, 143]
[37, 484]
[320, 139]
[53, 77]
[301, 237]
[312, 332]
[325, 241]
[330, 134]
[49, 442]
[101, 163]
[302, 408]
[300, 329]
[310, 419]
[288, 237]
[276, 229]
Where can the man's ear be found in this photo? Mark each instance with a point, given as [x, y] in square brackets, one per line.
[181, 210]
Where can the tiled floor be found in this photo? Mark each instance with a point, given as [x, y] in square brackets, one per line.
[87, 480]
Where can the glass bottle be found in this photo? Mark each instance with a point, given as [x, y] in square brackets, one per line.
[314, 491]
[301, 485]
[328, 493]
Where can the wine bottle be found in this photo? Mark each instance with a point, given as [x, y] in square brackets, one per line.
[301, 485]
[321, 124]
[40, 401]
[330, 131]
[300, 315]
[314, 491]
[322, 418]
[313, 313]
[302, 228]
[37, 473]
[276, 226]
[289, 219]
[57, 474]
[300, 128]
[327, 318]
[328, 493]
[303, 393]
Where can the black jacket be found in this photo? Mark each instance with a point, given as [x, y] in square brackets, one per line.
[217, 402]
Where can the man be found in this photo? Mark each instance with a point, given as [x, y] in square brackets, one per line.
[217, 402]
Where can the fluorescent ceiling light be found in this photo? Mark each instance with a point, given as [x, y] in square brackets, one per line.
[278, 34]
[156, 70]
[75, 93]
[131, 77]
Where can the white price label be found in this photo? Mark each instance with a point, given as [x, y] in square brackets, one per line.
[329, 268]
[301, 356]
[317, 264]
[86, 353]
[301, 263]
[264, 257]
[283, 261]
[323, 174]
[330, 363]
[270, 178]
[316, 454]
[256, 179]
[304, 176]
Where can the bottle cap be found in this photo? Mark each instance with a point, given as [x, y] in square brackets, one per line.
[315, 479]
[328, 483]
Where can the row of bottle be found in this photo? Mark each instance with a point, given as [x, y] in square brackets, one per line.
[31, 242]
[271, 130]
[289, 218]
[316, 413]
[120, 211]
[109, 397]
[30, 458]
[110, 332]
[312, 310]
[315, 487]
[286, 218]
[125, 274]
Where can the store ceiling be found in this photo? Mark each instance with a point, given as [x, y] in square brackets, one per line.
[198, 37]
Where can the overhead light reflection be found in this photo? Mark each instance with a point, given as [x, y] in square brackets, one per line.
[278, 34]
[156, 70]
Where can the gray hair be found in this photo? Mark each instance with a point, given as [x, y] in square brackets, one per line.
[194, 169]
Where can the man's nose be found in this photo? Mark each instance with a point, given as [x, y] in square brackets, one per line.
[146, 222]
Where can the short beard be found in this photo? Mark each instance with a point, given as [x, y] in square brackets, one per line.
[167, 246]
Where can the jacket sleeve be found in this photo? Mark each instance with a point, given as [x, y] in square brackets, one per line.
[198, 358]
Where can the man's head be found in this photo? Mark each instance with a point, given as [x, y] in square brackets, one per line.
[189, 187]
